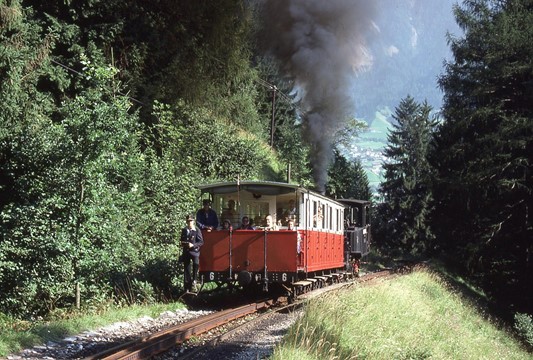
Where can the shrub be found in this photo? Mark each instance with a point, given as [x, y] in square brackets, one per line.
[524, 327]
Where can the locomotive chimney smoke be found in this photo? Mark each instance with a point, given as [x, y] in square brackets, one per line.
[320, 45]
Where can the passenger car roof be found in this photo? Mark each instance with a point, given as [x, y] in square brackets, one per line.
[353, 201]
[260, 188]
[256, 187]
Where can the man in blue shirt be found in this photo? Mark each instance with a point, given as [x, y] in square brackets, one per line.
[206, 218]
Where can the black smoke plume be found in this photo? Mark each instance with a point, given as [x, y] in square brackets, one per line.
[320, 45]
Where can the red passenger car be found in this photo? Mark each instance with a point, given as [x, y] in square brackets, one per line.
[271, 253]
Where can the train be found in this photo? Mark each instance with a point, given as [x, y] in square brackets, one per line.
[312, 236]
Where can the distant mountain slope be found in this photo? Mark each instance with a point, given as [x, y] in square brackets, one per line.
[407, 48]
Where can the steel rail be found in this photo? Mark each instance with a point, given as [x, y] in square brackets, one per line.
[146, 347]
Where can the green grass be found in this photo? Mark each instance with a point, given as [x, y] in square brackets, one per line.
[373, 178]
[415, 316]
[16, 335]
[381, 123]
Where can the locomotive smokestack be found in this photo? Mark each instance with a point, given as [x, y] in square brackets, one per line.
[320, 46]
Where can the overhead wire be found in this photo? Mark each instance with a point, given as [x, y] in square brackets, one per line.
[280, 94]
[80, 74]
[258, 80]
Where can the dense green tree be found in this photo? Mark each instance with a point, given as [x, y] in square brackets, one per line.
[406, 189]
[75, 204]
[484, 149]
[282, 128]
[212, 149]
[285, 129]
[74, 215]
[196, 51]
[26, 133]
[347, 179]
[293, 152]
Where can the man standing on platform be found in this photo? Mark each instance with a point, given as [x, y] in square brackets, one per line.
[191, 241]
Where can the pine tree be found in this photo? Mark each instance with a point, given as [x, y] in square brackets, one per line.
[484, 149]
[406, 189]
[347, 179]
[360, 186]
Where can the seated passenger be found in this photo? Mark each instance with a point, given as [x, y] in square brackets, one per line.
[226, 225]
[230, 213]
[290, 225]
[290, 213]
[270, 224]
[245, 224]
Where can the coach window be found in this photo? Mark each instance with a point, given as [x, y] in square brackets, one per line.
[315, 216]
[318, 216]
[325, 221]
[326, 217]
[256, 211]
[319, 210]
[321, 214]
[330, 218]
[324, 214]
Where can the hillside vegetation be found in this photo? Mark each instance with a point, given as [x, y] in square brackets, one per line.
[415, 316]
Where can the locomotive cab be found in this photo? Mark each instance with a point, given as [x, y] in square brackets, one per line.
[357, 223]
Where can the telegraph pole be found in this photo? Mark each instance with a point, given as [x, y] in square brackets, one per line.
[272, 123]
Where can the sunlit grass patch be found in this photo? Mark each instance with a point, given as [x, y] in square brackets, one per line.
[410, 317]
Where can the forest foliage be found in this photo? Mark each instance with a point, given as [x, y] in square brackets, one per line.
[484, 150]
[463, 188]
[112, 112]
[406, 191]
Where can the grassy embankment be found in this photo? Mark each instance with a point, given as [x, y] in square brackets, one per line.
[416, 316]
[17, 335]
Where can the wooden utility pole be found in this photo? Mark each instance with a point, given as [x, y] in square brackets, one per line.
[273, 122]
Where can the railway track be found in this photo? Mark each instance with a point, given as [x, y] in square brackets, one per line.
[162, 341]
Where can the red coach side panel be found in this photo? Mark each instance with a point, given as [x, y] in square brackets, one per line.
[324, 251]
[282, 251]
[214, 252]
[248, 250]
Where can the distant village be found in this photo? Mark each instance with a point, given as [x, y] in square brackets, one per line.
[372, 161]
[369, 150]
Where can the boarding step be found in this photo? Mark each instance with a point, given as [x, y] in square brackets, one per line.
[303, 283]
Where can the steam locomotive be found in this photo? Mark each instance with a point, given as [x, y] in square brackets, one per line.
[312, 236]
